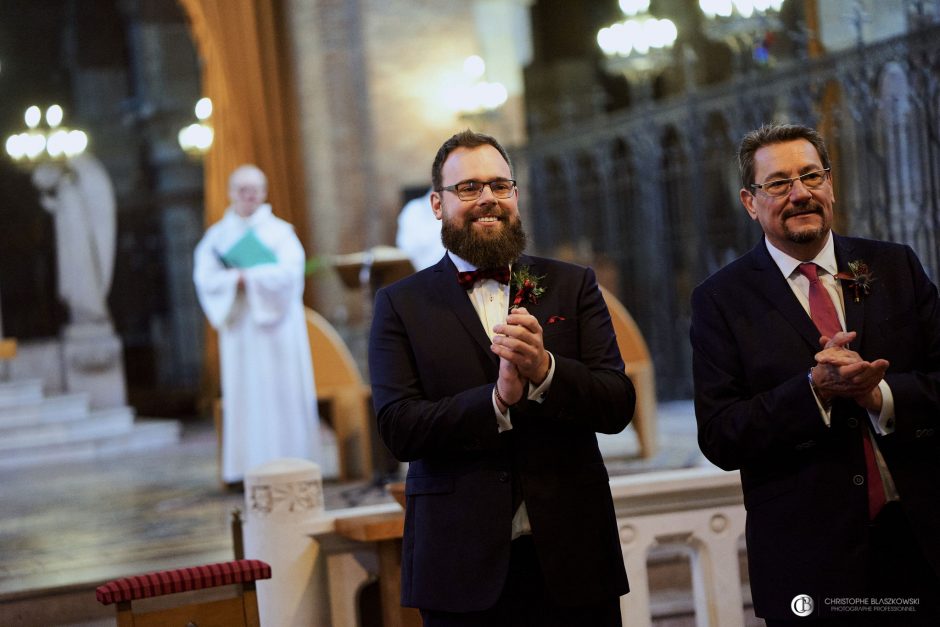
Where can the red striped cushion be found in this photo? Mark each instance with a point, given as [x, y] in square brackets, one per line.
[182, 580]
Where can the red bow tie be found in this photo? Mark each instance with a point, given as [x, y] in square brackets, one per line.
[467, 279]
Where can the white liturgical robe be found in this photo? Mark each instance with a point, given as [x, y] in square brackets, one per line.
[269, 405]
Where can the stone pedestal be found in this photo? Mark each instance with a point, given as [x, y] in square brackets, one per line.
[92, 362]
[282, 497]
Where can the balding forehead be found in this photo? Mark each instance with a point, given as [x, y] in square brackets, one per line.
[247, 174]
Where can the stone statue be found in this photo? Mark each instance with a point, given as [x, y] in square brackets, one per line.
[79, 195]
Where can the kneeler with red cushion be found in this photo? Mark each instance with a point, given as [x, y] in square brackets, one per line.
[239, 610]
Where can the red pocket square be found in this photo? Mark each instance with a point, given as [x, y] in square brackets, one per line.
[555, 319]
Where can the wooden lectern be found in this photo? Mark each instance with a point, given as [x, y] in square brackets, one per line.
[369, 269]
[378, 266]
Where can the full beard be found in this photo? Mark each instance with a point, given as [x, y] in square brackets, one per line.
[805, 236]
[482, 251]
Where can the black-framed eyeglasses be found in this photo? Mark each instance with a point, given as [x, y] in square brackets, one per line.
[781, 187]
[471, 190]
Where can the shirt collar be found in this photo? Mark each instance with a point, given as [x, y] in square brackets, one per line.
[826, 259]
[462, 264]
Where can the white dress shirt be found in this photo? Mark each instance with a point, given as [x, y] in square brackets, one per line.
[490, 299]
[882, 422]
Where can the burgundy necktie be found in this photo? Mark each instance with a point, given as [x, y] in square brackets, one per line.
[821, 309]
[467, 279]
[823, 313]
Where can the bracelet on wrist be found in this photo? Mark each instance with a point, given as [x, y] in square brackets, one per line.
[499, 397]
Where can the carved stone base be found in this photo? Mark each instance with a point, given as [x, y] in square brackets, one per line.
[92, 362]
[283, 498]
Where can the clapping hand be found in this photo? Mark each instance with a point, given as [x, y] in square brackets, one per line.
[841, 372]
[519, 341]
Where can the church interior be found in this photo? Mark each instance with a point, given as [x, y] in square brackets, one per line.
[109, 373]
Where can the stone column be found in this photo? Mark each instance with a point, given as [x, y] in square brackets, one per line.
[281, 498]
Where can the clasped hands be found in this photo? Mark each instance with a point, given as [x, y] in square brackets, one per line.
[522, 355]
[841, 372]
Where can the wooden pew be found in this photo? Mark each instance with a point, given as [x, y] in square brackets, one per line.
[340, 384]
[639, 367]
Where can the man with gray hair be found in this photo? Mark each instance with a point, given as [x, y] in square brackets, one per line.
[816, 360]
[249, 275]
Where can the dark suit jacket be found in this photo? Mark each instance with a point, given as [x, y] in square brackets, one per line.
[804, 491]
[433, 373]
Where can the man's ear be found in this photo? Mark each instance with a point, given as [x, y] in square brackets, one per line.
[747, 199]
[436, 205]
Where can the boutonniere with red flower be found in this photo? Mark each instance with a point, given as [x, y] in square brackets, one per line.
[859, 278]
[524, 288]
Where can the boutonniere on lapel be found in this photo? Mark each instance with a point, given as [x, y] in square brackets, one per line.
[859, 278]
[524, 287]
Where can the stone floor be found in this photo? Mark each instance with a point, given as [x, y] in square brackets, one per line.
[89, 521]
[66, 528]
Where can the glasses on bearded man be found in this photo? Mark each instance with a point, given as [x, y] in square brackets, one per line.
[471, 190]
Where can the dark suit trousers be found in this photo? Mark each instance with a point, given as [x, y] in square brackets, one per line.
[524, 601]
[897, 570]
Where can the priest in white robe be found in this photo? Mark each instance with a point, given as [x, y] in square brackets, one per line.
[249, 276]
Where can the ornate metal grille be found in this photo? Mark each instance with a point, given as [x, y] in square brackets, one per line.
[653, 192]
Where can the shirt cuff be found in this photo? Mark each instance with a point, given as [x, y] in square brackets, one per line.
[883, 421]
[503, 423]
[824, 412]
[537, 394]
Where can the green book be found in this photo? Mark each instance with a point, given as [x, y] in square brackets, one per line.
[247, 252]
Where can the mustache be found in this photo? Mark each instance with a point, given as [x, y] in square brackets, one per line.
[810, 207]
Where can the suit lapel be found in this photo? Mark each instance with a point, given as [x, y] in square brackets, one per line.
[454, 298]
[766, 279]
[854, 312]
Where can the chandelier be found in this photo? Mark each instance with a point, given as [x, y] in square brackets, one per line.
[45, 142]
[474, 96]
[744, 25]
[637, 47]
[196, 138]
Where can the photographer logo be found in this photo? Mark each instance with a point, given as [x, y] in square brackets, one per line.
[802, 605]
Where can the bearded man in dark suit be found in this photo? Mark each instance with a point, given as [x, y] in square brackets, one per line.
[817, 374]
[509, 517]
